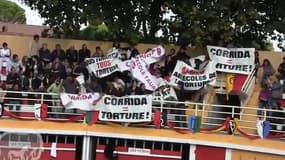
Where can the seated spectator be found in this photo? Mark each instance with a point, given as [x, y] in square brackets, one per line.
[5, 51]
[268, 70]
[70, 85]
[133, 88]
[23, 64]
[84, 52]
[56, 88]
[72, 54]
[59, 52]
[39, 83]
[98, 52]
[45, 54]
[134, 53]
[13, 77]
[15, 63]
[13, 99]
[281, 69]
[58, 71]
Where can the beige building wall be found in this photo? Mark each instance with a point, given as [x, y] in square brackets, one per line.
[20, 44]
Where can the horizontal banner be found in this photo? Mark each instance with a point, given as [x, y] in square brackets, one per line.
[83, 102]
[191, 78]
[232, 60]
[136, 108]
[102, 66]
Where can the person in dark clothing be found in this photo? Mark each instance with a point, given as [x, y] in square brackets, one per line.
[45, 55]
[72, 55]
[256, 62]
[84, 52]
[13, 77]
[277, 117]
[60, 54]
[13, 99]
[180, 111]
[70, 85]
[281, 69]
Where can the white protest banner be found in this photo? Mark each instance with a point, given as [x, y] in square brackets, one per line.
[135, 108]
[102, 66]
[83, 101]
[152, 56]
[167, 93]
[149, 57]
[193, 79]
[140, 72]
[232, 60]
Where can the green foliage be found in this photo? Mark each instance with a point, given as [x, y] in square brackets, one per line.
[237, 23]
[11, 12]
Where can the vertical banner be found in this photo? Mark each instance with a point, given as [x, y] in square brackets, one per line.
[232, 60]
[139, 70]
[193, 79]
[230, 77]
[135, 108]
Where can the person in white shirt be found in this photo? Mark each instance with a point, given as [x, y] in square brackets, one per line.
[5, 51]
[35, 46]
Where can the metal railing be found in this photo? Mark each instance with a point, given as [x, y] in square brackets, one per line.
[22, 104]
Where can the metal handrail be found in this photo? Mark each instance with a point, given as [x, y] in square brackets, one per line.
[214, 117]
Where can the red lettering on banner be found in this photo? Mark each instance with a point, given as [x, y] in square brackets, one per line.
[140, 67]
[149, 82]
[104, 64]
[185, 70]
[80, 97]
[150, 53]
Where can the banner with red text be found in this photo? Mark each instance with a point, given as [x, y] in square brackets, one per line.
[134, 108]
[103, 66]
[232, 60]
[139, 70]
[149, 57]
[83, 102]
[193, 79]
[152, 56]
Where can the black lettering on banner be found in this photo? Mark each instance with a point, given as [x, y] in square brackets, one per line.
[212, 75]
[107, 100]
[230, 54]
[125, 101]
[116, 116]
[109, 115]
[242, 68]
[141, 115]
[135, 116]
[90, 61]
[103, 114]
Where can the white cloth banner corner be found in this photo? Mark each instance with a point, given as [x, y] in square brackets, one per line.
[37, 111]
[53, 150]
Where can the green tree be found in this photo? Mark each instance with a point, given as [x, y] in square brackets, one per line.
[11, 12]
[245, 23]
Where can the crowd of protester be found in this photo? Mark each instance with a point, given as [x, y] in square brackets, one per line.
[54, 71]
[271, 93]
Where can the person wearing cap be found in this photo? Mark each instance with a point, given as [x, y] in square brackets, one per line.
[281, 69]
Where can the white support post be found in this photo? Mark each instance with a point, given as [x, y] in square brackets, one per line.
[228, 155]
[192, 151]
[86, 148]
